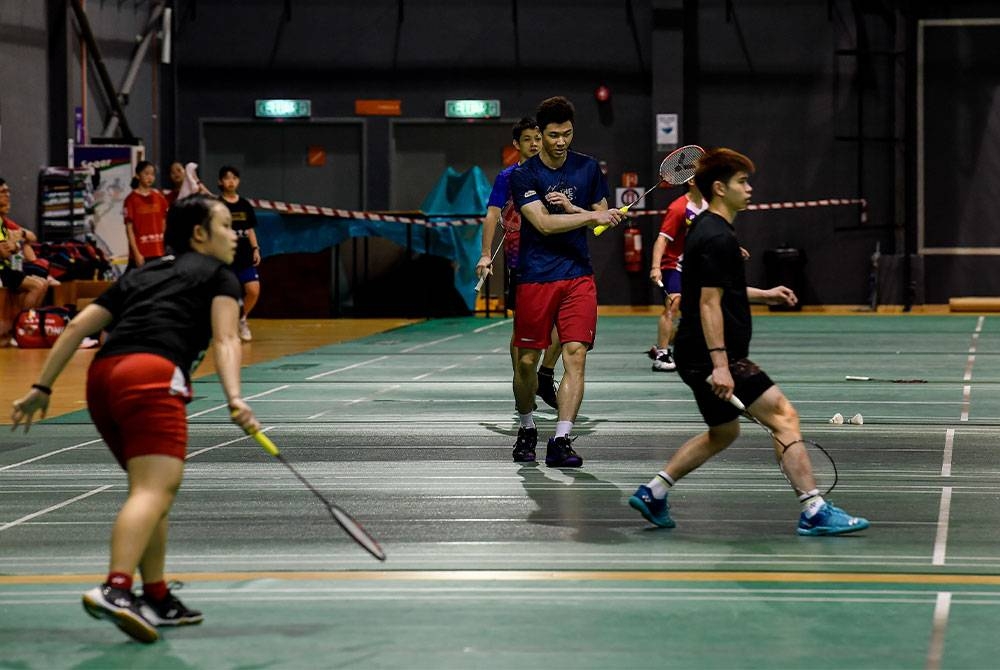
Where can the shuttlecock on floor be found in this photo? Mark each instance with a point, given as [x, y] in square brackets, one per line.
[857, 420]
[837, 419]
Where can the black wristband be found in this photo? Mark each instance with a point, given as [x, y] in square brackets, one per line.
[717, 349]
[44, 389]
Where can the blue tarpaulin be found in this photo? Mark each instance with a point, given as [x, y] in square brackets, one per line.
[290, 229]
[459, 241]
[458, 194]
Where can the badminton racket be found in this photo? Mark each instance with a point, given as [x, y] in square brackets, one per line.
[343, 519]
[823, 466]
[677, 168]
[853, 378]
[482, 280]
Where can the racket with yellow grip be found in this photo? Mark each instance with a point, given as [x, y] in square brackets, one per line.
[676, 169]
[343, 519]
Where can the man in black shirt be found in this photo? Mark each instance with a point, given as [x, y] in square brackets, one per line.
[161, 317]
[711, 349]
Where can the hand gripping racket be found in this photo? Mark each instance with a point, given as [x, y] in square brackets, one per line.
[482, 280]
[676, 169]
[343, 519]
[823, 466]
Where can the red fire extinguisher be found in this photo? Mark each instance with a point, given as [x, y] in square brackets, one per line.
[633, 248]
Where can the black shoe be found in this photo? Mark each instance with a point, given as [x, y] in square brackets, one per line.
[524, 448]
[170, 611]
[547, 389]
[121, 607]
[560, 454]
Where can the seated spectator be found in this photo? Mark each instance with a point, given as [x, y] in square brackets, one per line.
[24, 290]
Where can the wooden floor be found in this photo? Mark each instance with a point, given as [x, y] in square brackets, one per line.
[273, 338]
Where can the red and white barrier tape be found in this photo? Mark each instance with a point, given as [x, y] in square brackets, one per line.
[789, 204]
[295, 208]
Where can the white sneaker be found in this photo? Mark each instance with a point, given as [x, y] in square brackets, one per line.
[245, 333]
[664, 362]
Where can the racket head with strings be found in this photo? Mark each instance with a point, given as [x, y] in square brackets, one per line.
[348, 523]
[824, 468]
[680, 164]
[677, 168]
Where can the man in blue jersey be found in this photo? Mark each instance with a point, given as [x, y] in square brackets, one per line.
[500, 211]
[560, 193]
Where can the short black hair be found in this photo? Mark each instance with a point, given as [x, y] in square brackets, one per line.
[182, 217]
[226, 169]
[556, 110]
[526, 123]
[719, 165]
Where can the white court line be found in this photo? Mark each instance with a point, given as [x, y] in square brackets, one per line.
[346, 367]
[28, 517]
[428, 374]
[51, 453]
[355, 401]
[431, 343]
[940, 625]
[949, 442]
[941, 540]
[249, 397]
[99, 489]
[505, 322]
[223, 444]
[967, 389]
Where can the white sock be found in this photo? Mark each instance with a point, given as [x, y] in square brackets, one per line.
[527, 420]
[563, 428]
[811, 501]
[660, 484]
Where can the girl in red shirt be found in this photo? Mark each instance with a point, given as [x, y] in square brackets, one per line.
[145, 217]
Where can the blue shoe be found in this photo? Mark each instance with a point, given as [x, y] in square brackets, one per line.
[655, 511]
[830, 520]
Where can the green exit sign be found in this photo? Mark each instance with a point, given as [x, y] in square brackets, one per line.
[472, 109]
[283, 109]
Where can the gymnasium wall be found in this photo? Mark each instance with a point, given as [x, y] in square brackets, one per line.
[776, 80]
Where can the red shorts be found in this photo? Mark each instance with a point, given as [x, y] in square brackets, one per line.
[137, 403]
[569, 304]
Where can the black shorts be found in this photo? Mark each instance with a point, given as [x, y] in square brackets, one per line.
[751, 382]
[11, 279]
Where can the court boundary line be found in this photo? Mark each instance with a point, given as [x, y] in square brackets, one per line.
[544, 575]
[52, 508]
[941, 538]
[51, 453]
[939, 626]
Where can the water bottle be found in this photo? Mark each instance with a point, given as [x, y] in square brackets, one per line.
[17, 261]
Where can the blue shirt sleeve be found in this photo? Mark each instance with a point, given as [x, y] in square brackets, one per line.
[501, 190]
[522, 186]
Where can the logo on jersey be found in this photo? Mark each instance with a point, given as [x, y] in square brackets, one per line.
[528, 194]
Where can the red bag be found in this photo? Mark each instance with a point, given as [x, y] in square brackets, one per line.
[40, 328]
